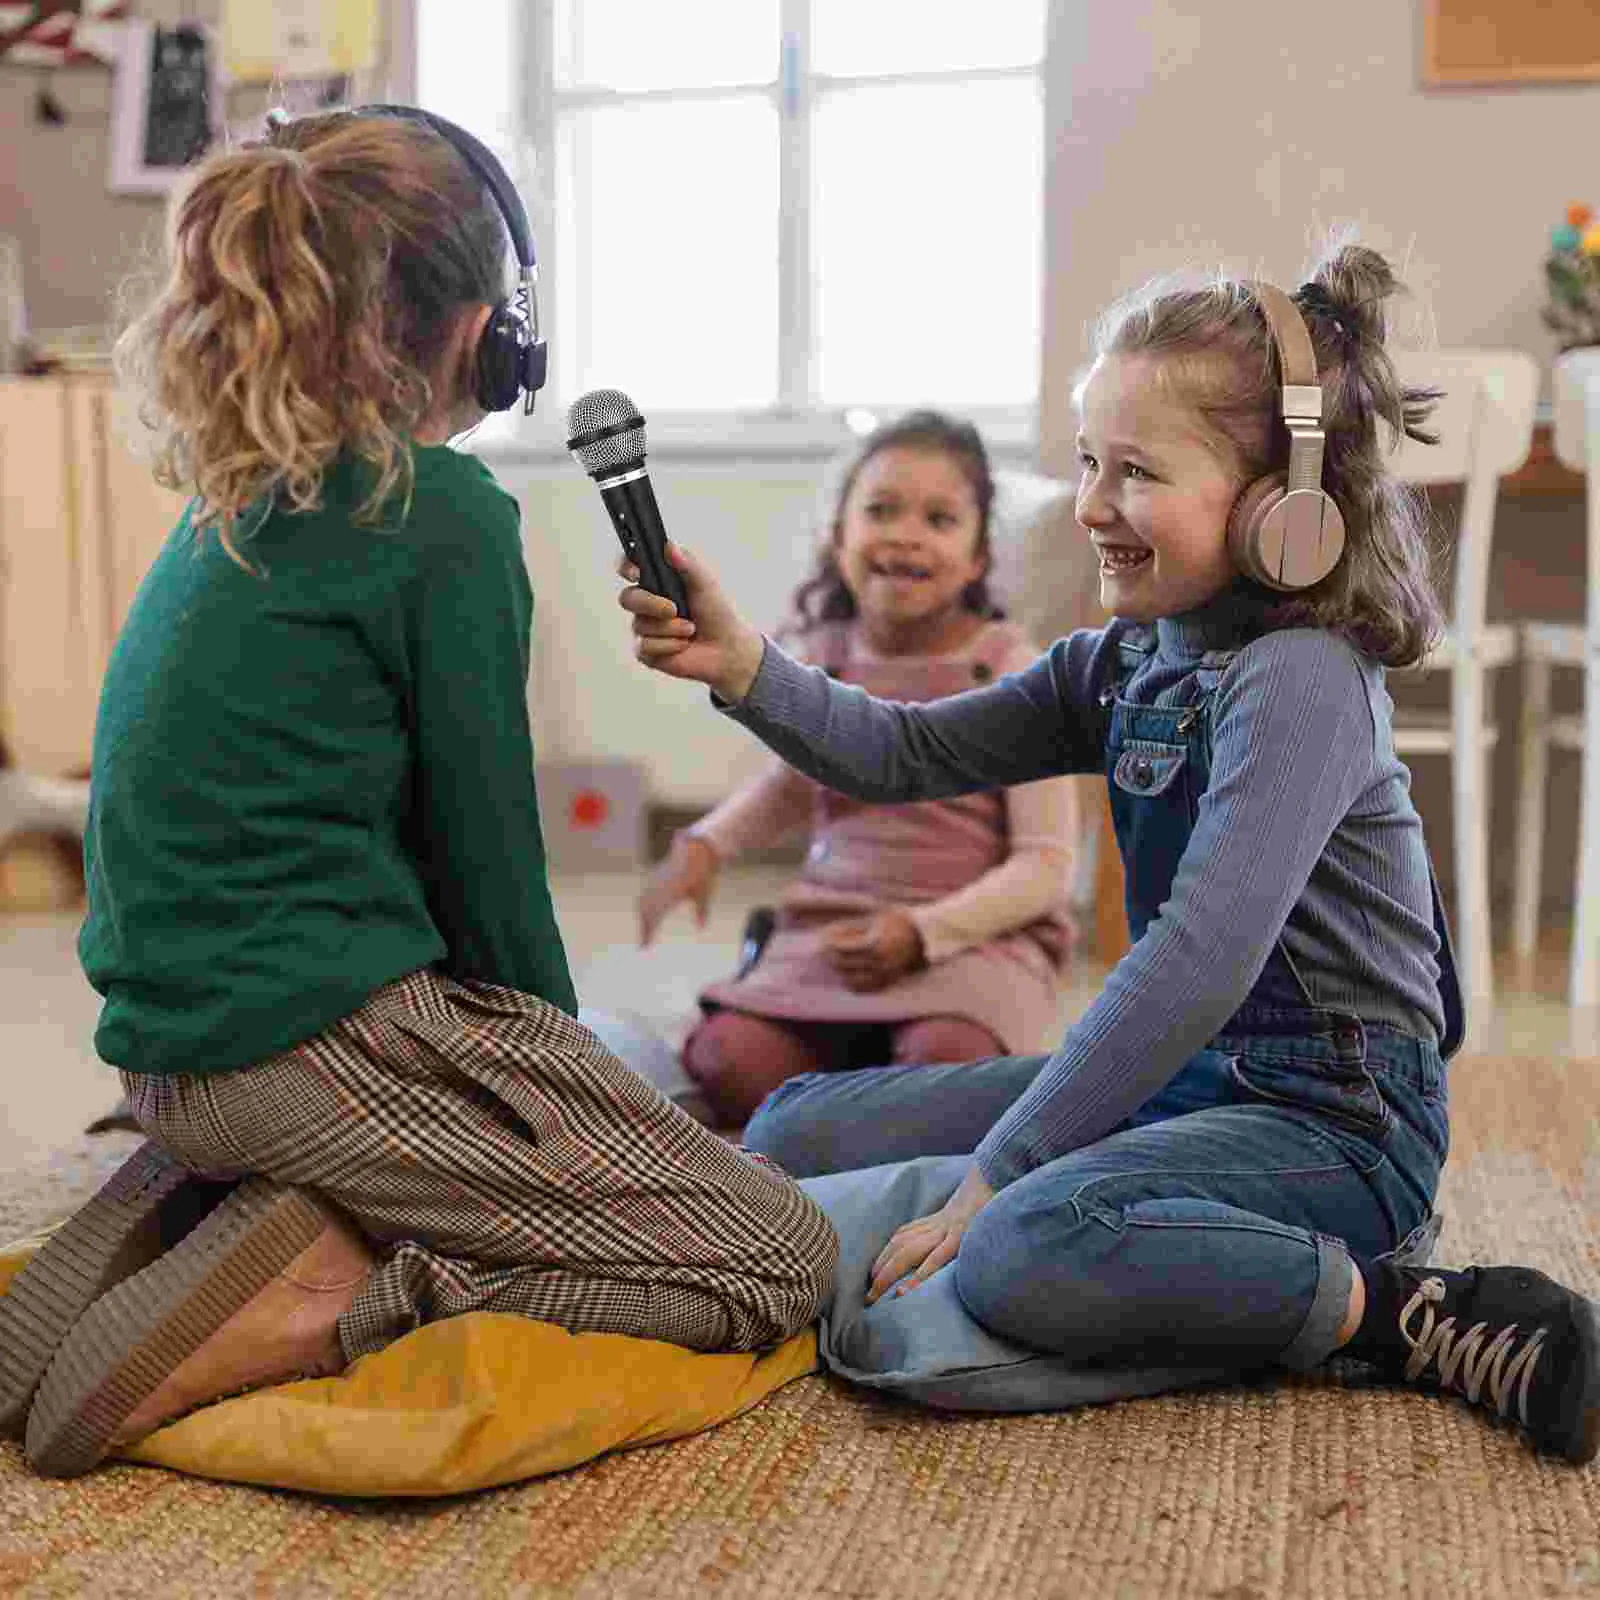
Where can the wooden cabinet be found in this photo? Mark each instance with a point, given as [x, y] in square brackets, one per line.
[81, 519]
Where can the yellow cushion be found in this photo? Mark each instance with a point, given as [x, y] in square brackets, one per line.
[466, 1403]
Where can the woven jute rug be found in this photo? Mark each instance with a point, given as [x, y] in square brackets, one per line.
[1322, 1486]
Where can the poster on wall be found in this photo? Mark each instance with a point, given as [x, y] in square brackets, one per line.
[166, 105]
[298, 38]
[60, 33]
[1478, 42]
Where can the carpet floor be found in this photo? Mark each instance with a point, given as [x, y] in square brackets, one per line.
[1316, 1486]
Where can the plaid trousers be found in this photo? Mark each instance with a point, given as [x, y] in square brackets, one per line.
[500, 1158]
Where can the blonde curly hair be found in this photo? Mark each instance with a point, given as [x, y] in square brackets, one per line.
[312, 284]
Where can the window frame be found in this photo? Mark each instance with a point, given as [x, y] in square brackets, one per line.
[798, 426]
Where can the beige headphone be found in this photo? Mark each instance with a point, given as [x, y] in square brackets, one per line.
[1284, 530]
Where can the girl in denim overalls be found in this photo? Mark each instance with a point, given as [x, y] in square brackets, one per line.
[1231, 1160]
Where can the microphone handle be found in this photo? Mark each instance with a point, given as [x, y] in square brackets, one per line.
[635, 515]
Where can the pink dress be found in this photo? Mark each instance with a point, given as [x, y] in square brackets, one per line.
[867, 858]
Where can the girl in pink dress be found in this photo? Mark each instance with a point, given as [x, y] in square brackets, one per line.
[923, 933]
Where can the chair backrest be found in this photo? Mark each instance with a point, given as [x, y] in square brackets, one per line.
[1021, 500]
[1045, 572]
[1485, 426]
[1577, 441]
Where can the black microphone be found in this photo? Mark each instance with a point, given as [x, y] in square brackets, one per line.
[606, 438]
[758, 928]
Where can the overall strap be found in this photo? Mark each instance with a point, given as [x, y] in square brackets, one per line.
[1134, 648]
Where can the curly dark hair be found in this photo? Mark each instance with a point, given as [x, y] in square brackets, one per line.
[1215, 343]
[824, 596]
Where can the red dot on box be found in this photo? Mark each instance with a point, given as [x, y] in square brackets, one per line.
[589, 809]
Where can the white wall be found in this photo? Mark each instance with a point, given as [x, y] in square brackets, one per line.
[1230, 132]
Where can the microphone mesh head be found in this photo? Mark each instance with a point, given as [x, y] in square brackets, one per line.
[604, 409]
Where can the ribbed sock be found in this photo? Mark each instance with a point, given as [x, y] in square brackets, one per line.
[1378, 1340]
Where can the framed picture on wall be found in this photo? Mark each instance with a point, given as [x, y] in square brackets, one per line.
[59, 33]
[1482, 42]
[166, 104]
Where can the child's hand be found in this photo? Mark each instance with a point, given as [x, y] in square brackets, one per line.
[716, 649]
[688, 873]
[917, 1251]
[872, 952]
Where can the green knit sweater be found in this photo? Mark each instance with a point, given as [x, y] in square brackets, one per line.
[313, 780]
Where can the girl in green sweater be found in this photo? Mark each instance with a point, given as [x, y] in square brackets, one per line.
[318, 906]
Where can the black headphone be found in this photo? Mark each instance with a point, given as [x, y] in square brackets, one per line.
[511, 358]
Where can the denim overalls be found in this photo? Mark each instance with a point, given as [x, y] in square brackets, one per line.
[1216, 1226]
[1158, 764]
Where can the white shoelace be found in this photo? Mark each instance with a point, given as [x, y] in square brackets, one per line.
[1467, 1351]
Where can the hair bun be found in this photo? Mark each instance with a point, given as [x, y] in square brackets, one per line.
[1315, 299]
[1350, 289]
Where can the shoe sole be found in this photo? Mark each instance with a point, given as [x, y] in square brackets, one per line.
[133, 1336]
[1584, 1445]
[140, 1210]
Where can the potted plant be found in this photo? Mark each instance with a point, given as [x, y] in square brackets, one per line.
[1572, 275]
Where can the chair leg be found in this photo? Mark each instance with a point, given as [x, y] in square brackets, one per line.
[1585, 981]
[58, 804]
[1533, 769]
[1469, 769]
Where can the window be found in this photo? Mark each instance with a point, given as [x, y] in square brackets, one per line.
[768, 210]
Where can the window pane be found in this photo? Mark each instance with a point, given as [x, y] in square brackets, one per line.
[465, 73]
[666, 44]
[850, 38]
[667, 233]
[927, 240]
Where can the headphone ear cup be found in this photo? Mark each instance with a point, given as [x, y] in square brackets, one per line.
[497, 369]
[1244, 525]
[1286, 539]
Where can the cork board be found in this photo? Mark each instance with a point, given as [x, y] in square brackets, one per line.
[1509, 41]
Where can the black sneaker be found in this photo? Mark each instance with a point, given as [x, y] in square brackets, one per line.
[1514, 1341]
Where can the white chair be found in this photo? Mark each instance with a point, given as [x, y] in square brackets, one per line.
[1546, 645]
[1485, 428]
[54, 805]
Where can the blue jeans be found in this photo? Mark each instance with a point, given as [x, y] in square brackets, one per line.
[1216, 1228]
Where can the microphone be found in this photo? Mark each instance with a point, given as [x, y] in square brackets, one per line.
[758, 928]
[606, 438]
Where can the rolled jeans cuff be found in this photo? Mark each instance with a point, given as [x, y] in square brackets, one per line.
[1318, 1337]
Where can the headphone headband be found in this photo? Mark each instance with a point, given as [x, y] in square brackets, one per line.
[1295, 353]
[1301, 395]
[483, 161]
